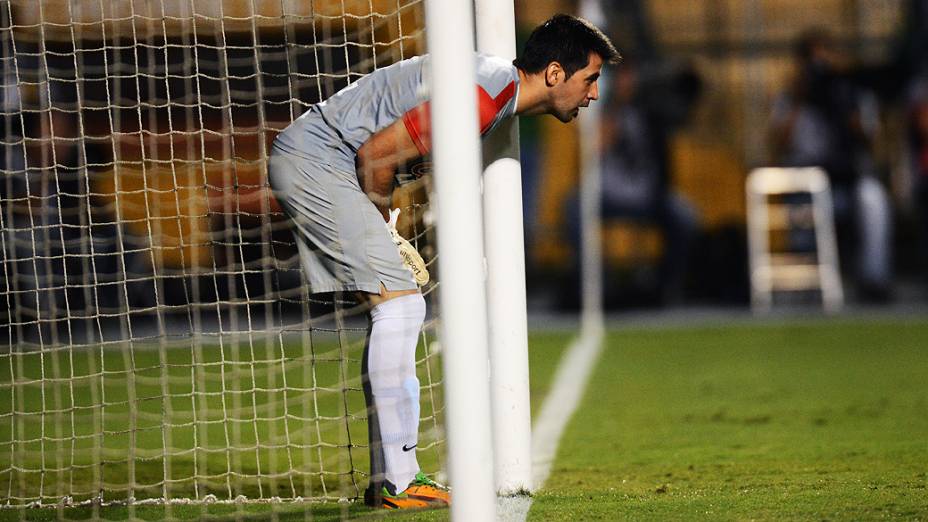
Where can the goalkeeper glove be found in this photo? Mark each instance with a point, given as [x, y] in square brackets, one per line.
[411, 258]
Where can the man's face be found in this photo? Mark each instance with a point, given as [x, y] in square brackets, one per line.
[577, 91]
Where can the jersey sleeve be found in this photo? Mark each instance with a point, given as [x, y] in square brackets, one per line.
[491, 109]
[418, 125]
[494, 109]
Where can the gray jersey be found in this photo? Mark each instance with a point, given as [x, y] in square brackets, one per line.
[331, 132]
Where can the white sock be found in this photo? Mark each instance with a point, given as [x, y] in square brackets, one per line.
[391, 367]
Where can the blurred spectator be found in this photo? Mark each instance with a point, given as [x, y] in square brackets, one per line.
[643, 109]
[911, 65]
[825, 119]
[918, 155]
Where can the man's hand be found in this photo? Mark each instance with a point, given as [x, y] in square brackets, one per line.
[411, 257]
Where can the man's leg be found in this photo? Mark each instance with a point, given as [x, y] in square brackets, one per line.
[345, 245]
[874, 221]
[372, 495]
[391, 387]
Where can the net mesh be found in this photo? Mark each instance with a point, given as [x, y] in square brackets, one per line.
[157, 337]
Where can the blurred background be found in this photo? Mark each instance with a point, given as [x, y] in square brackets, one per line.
[709, 90]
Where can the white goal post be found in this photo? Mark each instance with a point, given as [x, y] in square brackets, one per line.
[508, 322]
[592, 321]
[464, 330]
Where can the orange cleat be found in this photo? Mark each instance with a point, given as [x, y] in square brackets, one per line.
[424, 488]
[423, 492]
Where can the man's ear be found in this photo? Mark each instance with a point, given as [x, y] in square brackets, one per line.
[554, 74]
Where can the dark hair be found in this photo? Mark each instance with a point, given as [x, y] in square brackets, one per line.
[567, 40]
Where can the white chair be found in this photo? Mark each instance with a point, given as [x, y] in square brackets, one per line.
[785, 270]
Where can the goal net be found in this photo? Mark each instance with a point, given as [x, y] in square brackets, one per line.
[157, 337]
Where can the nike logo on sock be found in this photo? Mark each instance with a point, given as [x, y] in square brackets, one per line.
[409, 448]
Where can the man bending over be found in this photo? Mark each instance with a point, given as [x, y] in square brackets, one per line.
[332, 171]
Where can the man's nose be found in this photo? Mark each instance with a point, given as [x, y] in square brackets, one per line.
[594, 91]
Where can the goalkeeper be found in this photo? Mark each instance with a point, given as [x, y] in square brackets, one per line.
[332, 170]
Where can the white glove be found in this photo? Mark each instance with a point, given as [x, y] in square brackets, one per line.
[411, 258]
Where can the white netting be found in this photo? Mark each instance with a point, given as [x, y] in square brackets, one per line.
[157, 340]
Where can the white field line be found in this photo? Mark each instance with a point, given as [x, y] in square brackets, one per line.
[559, 406]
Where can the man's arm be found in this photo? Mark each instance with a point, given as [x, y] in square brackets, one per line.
[378, 160]
[409, 138]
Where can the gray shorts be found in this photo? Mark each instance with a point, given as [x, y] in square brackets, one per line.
[343, 241]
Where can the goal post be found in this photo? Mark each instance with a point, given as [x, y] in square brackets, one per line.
[506, 292]
[592, 321]
[450, 30]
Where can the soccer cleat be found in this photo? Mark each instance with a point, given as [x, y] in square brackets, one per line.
[423, 492]
[400, 501]
[424, 488]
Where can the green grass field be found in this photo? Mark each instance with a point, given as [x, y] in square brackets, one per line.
[823, 420]
[808, 420]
